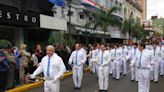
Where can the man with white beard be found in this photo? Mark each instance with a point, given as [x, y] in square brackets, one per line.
[77, 59]
[142, 60]
[53, 68]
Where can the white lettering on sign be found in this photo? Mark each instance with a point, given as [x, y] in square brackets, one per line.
[34, 19]
[17, 16]
[26, 18]
[0, 14]
[8, 15]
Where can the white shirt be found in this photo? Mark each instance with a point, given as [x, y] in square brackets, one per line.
[156, 53]
[56, 67]
[142, 59]
[77, 58]
[103, 58]
[116, 54]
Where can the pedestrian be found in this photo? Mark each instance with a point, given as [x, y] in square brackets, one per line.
[76, 60]
[103, 70]
[91, 55]
[156, 58]
[142, 61]
[25, 58]
[116, 57]
[53, 68]
[39, 52]
[4, 66]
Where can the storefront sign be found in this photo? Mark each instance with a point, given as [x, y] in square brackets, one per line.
[13, 16]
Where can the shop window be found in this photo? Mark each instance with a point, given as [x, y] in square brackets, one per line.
[82, 16]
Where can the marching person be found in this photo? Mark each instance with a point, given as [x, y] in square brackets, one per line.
[91, 57]
[142, 61]
[116, 57]
[125, 57]
[77, 59]
[53, 68]
[156, 53]
[162, 60]
[103, 70]
[133, 69]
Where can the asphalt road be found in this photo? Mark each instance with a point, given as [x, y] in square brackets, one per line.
[90, 84]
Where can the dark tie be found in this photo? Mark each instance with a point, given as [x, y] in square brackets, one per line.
[48, 67]
[115, 53]
[102, 58]
[140, 60]
[76, 57]
[154, 51]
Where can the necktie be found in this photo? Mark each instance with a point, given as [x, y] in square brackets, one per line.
[135, 51]
[115, 53]
[154, 51]
[140, 60]
[48, 67]
[102, 57]
[76, 57]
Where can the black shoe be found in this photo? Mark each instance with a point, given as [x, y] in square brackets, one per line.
[79, 88]
[101, 90]
[75, 87]
[117, 79]
[155, 81]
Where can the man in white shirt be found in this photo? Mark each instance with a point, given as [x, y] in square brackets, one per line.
[125, 57]
[53, 68]
[77, 59]
[116, 57]
[142, 61]
[103, 70]
[134, 70]
[162, 60]
[91, 57]
[156, 53]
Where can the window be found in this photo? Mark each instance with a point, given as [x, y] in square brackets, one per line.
[82, 16]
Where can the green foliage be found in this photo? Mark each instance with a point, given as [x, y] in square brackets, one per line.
[5, 43]
[60, 38]
[103, 19]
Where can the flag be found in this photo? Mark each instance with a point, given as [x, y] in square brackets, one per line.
[89, 3]
[57, 2]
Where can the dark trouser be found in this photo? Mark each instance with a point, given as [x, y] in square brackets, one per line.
[17, 79]
[3, 80]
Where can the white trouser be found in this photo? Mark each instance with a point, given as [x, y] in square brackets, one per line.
[134, 73]
[92, 67]
[51, 86]
[162, 67]
[116, 69]
[77, 75]
[143, 80]
[124, 65]
[111, 67]
[155, 71]
[103, 77]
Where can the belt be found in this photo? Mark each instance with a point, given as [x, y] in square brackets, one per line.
[49, 79]
[142, 68]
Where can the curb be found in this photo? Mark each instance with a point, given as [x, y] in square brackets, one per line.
[39, 83]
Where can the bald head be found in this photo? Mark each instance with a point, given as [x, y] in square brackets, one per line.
[50, 50]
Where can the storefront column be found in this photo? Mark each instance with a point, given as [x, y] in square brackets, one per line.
[19, 36]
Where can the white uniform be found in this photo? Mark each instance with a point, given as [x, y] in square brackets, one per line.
[53, 68]
[103, 70]
[77, 59]
[125, 57]
[133, 69]
[97, 51]
[162, 60]
[92, 65]
[156, 62]
[142, 61]
[116, 57]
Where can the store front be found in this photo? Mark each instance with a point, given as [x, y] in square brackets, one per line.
[13, 22]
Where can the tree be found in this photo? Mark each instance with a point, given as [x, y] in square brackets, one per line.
[104, 19]
[5, 43]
